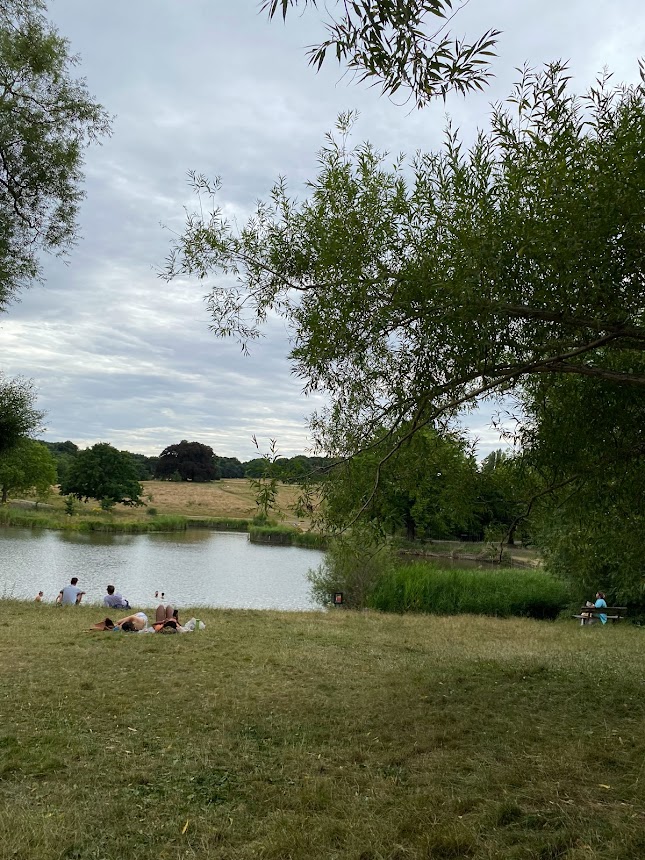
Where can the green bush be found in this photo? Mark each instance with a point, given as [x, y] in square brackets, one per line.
[423, 587]
[355, 563]
[277, 535]
[221, 524]
[310, 540]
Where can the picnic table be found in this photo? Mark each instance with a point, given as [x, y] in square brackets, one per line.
[589, 614]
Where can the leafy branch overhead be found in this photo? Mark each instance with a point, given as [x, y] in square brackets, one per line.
[413, 290]
[47, 118]
[405, 46]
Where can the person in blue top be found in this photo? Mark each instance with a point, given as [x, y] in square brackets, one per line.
[601, 603]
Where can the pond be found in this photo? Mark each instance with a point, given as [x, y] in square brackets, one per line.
[193, 568]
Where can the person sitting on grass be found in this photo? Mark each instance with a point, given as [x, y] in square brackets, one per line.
[115, 600]
[71, 595]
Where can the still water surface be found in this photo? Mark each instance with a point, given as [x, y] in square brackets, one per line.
[193, 568]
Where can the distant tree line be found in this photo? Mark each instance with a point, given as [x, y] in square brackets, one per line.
[192, 461]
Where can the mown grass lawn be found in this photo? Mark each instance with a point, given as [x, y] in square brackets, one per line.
[338, 735]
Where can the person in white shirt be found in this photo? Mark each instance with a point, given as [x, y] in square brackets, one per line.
[71, 595]
[114, 599]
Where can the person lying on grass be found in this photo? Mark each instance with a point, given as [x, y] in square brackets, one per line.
[129, 624]
[166, 619]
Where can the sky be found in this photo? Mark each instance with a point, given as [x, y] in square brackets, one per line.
[119, 355]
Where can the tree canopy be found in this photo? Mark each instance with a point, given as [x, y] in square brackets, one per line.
[47, 118]
[103, 473]
[416, 289]
[192, 461]
[409, 297]
[18, 414]
[28, 465]
[406, 46]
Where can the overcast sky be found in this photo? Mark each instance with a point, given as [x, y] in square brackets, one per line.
[120, 356]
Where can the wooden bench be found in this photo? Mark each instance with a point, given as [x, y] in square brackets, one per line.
[589, 614]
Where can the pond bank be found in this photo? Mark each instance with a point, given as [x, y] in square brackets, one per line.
[19, 516]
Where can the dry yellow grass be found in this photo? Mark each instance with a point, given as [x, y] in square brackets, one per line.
[230, 497]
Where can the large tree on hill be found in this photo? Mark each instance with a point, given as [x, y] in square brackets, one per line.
[103, 473]
[192, 461]
[47, 118]
[18, 414]
[414, 290]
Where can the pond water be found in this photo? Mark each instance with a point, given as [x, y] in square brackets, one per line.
[193, 568]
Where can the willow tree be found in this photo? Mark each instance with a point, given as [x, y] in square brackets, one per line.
[47, 118]
[406, 46]
[415, 289]
[18, 414]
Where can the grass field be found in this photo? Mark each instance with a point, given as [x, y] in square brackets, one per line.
[230, 497]
[338, 735]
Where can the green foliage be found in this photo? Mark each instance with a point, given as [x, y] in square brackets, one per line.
[47, 118]
[18, 415]
[265, 485]
[586, 442]
[422, 587]
[152, 512]
[70, 507]
[514, 267]
[191, 461]
[230, 467]
[103, 473]
[310, 540]
[424, 484]
[223, 524]
[27, 466]
[145, 466]
[354, 564]
[278, 535]
[402, 46]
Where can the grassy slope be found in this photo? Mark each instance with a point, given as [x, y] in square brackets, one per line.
[345, 735]
[230, 497]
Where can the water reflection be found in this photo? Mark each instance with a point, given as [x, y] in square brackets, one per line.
[196, 567]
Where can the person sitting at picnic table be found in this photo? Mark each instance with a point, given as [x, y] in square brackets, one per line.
[115, 600]
[601, 603]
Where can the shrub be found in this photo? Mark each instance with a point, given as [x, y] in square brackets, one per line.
[278, 535]
[354, 564]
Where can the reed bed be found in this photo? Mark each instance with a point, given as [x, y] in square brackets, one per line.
[426, 587]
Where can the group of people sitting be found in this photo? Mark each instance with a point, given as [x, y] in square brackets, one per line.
[72, 594]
